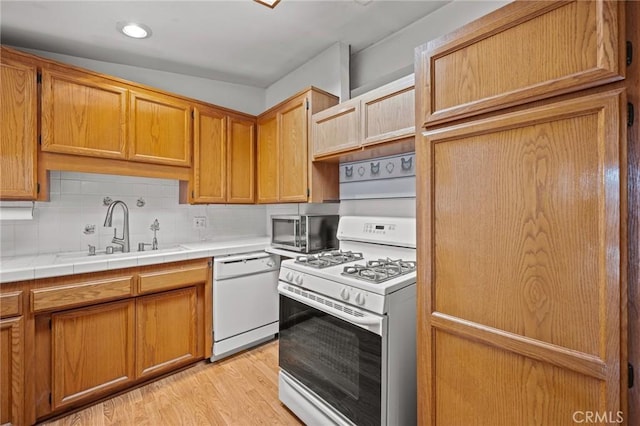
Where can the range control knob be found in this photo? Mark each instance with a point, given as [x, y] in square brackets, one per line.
[299, 279]
[289, 276]
[344, 293]
[360, 299]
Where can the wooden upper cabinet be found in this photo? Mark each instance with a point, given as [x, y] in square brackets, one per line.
[268, 154]
[382, 115]
[487, 65]
[522, 283]
[241, 160]
[293, 151]
[18, 128]
[159, 128]
[336, 129]
[224, 158]
[285, 173]
[83, 114]
[388, 113]
[209, 181]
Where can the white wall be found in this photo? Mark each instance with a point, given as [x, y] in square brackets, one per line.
[76, 201]
[239, 97]
[393, 57]
[328, 71]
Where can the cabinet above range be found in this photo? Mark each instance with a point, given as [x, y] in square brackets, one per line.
[371, 120]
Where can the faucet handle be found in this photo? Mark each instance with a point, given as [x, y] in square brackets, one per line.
[141, 246]
[155, 226]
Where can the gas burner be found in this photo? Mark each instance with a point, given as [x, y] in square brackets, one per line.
[377, 271]
[328, 258]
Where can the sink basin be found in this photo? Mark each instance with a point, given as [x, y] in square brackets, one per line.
[78, 256]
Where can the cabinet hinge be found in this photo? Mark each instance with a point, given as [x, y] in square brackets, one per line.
[630, 114]
[308, 192]
[38, 78]
[630, 375]
[629, 53]
[37, 187]
[307, 101]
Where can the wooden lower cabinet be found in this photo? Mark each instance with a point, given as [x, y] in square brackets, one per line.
[167, 331]
[89, 348]
[11, 371]
[92, 351]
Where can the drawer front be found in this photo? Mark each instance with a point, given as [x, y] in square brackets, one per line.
[569, 46]
[176, 278]
[57, 298]
[10, 304]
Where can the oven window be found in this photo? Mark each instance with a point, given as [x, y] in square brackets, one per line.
[337, 360]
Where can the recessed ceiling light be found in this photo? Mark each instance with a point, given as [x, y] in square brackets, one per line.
[268, 3]
[134, 30]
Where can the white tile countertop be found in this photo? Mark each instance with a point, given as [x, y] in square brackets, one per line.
[19, 268]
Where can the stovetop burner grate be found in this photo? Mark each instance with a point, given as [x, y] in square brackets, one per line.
[380, 270]
[328, 258]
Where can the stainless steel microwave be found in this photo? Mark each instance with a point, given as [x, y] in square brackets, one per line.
[305, 233]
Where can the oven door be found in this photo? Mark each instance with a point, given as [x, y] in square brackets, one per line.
[338, 358]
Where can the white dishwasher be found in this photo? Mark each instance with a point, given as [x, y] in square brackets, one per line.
[245, 301]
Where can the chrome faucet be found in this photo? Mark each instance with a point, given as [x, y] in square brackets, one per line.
[124, 241]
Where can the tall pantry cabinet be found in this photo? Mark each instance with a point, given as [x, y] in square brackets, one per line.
[525, 227]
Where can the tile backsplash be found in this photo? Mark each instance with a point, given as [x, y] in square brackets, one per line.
[76, 202]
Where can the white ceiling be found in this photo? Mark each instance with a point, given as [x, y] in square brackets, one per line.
[238, 41]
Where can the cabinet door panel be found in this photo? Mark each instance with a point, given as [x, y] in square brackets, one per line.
[241, 161]
[18, 130]
[520, 248]
[336, 129]
[569, 46]
[268, 154]
[92, 351]
[210, 156]
[167, 327]
[293, 151]
[160, 129]
[83, 115]
[11, 371]
[389, 113]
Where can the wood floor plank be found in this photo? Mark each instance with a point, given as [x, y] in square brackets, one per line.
[241, 390]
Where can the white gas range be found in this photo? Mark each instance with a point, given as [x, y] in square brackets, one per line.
[347, 327]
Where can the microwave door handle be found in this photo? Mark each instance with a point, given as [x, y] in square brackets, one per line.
[295, 232]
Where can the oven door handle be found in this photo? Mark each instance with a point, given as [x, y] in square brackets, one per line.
[370, 322]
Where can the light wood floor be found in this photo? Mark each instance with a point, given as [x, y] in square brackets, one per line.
[241, 390]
